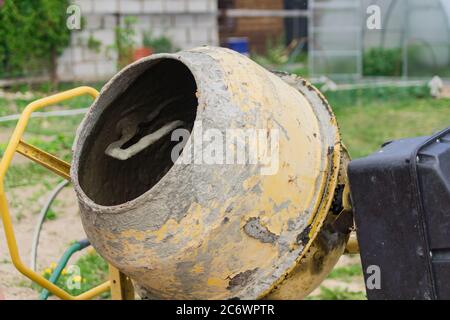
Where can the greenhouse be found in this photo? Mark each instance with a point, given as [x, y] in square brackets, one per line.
[413, 41]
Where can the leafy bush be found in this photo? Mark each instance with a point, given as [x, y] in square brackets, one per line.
[125, 42]
[424, 60]
[161, 44]
[383, 62]
[32, 36]
[275, 53]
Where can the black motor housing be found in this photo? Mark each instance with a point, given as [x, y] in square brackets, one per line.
[401, 200]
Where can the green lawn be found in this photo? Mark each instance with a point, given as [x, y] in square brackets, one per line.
[338, 294]
[368, 118]
[346, 273]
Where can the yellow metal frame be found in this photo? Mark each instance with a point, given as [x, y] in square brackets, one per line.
[121, 288]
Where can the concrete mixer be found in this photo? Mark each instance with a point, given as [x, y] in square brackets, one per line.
[201, 175]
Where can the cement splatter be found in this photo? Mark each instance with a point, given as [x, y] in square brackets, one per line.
[254, 229]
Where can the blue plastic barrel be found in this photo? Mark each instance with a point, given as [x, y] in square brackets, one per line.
[240, 45]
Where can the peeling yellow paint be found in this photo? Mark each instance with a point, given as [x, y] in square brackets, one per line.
[216, 282]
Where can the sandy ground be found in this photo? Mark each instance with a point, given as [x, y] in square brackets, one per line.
[56, 236]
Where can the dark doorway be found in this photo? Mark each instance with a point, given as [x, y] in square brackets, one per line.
[296, 28]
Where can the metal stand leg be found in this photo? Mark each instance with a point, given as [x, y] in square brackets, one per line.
[121, 286]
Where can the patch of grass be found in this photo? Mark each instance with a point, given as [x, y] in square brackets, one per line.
[302, 71]
[20, 216]
[51, 215]
[3, 107]
[338, 294]
[361, 97]
[346, 273]
[37, 125]
[46, 88]
[76, 103]
[93, 271]
[28, 174]
[50, 138]
[369, 118]
[25, 284]
[58, 145]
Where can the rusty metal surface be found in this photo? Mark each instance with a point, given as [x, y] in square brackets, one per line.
[220, 231]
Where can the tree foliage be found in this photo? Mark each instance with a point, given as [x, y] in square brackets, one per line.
[33, 33]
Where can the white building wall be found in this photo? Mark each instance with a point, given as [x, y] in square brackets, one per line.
[188, 23]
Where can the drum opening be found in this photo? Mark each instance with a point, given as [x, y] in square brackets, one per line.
[130, 149]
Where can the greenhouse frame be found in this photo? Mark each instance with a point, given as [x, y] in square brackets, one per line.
[414, 38]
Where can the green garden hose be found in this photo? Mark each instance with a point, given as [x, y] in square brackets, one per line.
[77, 246]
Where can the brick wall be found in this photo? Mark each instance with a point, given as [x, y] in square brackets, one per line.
[259, 30]
[188, 23]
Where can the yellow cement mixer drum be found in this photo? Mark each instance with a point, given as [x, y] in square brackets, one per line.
[214, 222]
